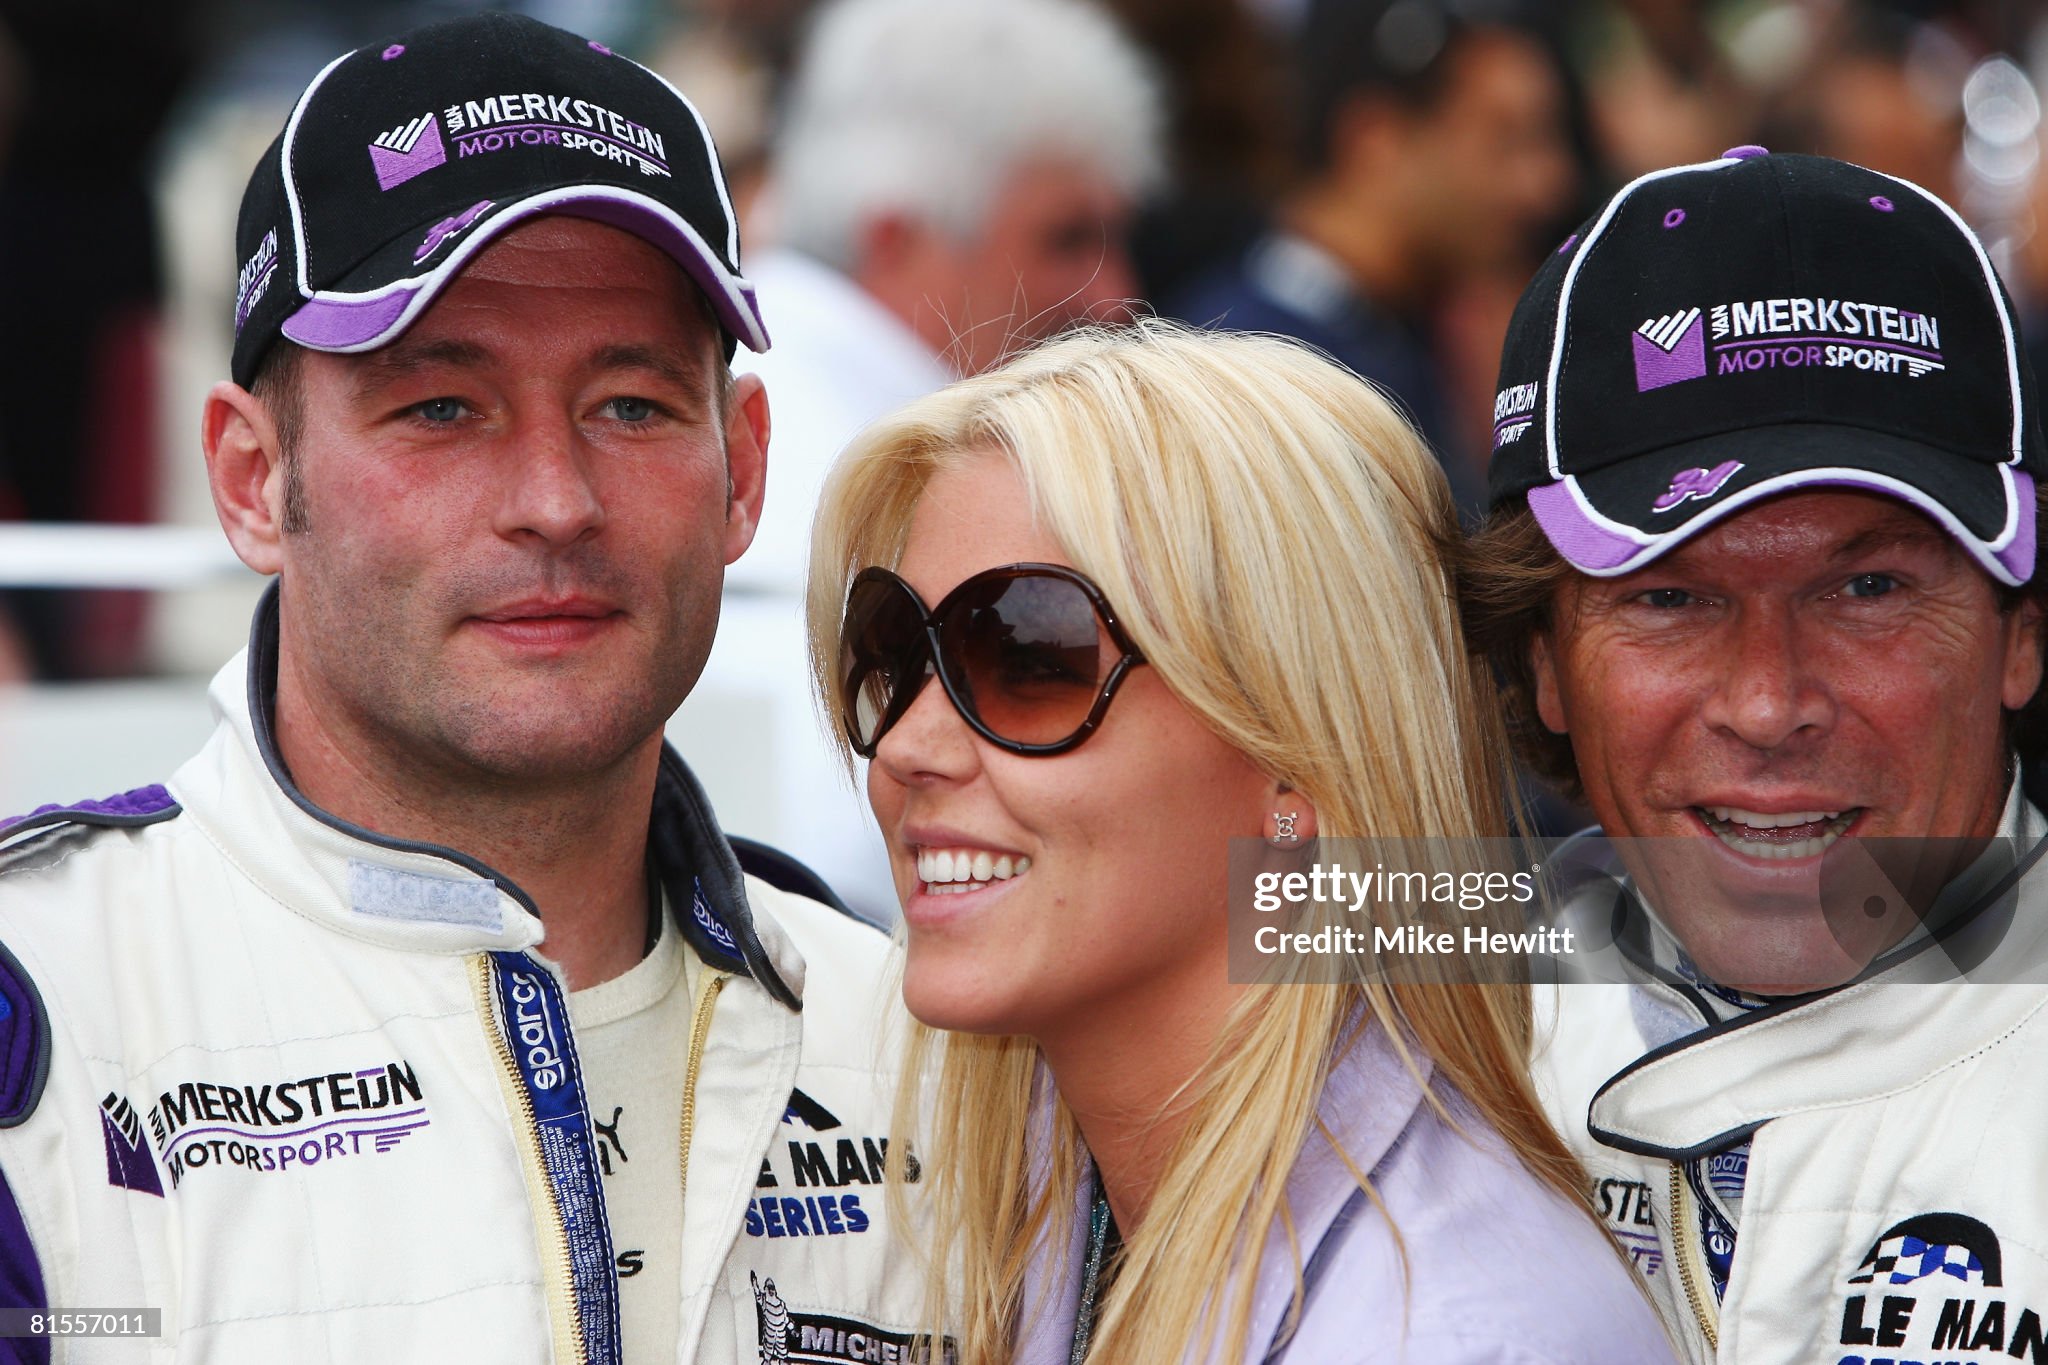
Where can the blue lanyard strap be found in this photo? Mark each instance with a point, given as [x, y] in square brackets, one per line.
[536, 1022]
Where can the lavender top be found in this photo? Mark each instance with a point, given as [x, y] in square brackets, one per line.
[1499, 1270]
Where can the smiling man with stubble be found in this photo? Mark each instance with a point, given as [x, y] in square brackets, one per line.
[427, 1014]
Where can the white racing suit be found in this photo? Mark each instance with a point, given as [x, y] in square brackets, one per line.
[1891, 1206]
[309, 1091]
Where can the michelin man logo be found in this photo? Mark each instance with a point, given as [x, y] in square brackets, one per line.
[773, 1317]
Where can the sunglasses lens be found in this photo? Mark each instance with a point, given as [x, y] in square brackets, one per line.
[1029, 654]
[880, 644]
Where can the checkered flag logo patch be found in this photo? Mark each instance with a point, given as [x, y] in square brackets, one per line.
[1903, 1260]
[1930, 1244]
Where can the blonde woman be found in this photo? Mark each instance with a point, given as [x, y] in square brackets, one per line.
[1090, 617]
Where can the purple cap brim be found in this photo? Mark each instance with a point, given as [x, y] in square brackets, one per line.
[335, 323]
[334, 320]
[1603, 548]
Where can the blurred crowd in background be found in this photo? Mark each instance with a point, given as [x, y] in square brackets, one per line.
[1378, 178]
[925, 186]
[928, 184]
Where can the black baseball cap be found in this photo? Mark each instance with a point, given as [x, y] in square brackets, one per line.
[403, 159]
[1728, 331]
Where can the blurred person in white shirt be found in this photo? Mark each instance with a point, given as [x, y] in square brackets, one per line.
[952, 180]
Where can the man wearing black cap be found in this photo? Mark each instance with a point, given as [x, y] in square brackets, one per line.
[426, 1014]
[1760, 575]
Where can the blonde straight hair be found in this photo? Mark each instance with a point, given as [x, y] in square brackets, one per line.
[1273, 535]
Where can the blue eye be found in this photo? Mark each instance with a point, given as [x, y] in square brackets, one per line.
[1871, 585]
[440, 410]
[1666, 599]
[632, 409]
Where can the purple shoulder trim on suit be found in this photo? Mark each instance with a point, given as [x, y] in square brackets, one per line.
[138, 807]
[21, 1281]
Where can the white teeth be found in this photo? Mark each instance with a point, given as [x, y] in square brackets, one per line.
[1798, 848]
[949, 869]
[1758, 820]
[1744, 830]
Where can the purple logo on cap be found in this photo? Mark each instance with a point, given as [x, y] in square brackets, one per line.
[1670, 349]
[449, 227]
[406, 150]
[1696, 483]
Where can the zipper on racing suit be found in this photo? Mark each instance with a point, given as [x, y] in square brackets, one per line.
[1692, 1272]
[700, 1029]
